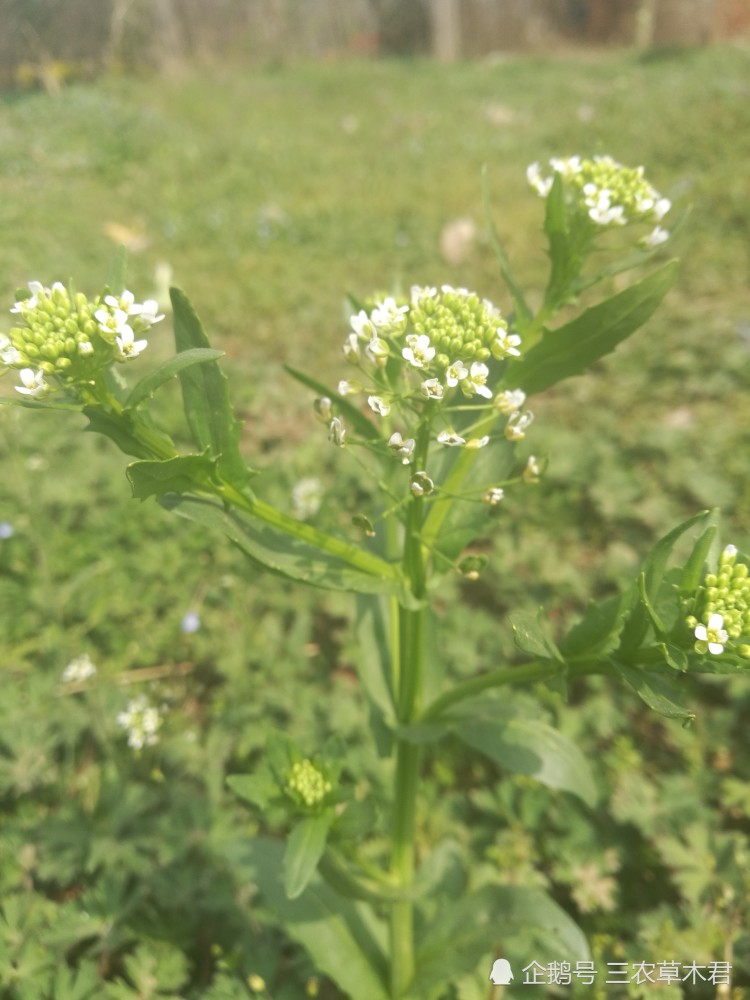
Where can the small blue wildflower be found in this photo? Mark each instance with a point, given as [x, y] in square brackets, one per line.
[6, 530]
[190, 623]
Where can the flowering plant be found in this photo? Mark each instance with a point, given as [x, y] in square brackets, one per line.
[435, 406]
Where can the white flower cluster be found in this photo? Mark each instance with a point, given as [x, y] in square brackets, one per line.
[142, 722]
[65, 335]
[721, 608]
[78, 670]
[606, 192]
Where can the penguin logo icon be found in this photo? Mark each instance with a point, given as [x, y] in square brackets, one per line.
[501, 974]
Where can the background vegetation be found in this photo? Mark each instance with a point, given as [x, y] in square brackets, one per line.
[267, 196]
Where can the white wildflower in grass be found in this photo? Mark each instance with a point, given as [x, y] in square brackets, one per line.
[378, 405]
[78, 670]
[656, 237]
[510, 400]
[493, 496]
[455, 373]
[389, 319]
[451, 439]
[432, 388]
[475, 382]
[362, 325]
[505, 345]
[337, 432]
[307, 496]
[518, 424]
[142, 722]
[711, 637]
[533, 470]
[377, 350]
[607, 192]
[419, 352]
[421, 485]
[33, 383]
[65, 335]
[352, 351]
[190, 623]
[419, 293]
[348, 388]
[6, 530]
[404, 449]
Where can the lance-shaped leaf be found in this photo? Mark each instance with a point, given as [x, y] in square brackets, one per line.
[598, 632]
[528, 746]
[119, 428]
[571, 349]
[183, 474]
[304, 849]
[40, 404]
[532, 636]
[284, 554]
[345, 940]
[661, 693]
[185, 359]
[208, 409]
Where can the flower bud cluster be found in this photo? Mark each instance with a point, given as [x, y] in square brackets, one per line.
[65, 335]
[307, 784]
[720, 610]
[605, 191]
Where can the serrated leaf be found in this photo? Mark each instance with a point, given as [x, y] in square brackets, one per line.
[531, 636]
[185, 359]
[345, 940]
[659, 692]
[598, 632]
[518, 922]
[279, 552]
[528, 746]
[304, 849]
[183, 474]
[118, 428]
[258, 789]
[208, 409]
[571, 349]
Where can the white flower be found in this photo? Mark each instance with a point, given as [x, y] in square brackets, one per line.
[474, 443]
[389, 318]
[418, 293]
[307, 497]
[432, 388]
[323, 409]
[510, 400]
[518, 424]
[661, 208]
[8, 354]
[33, 383]
[142, 723]
[451, 439]
[421, 485]
[351, 348]
[455, 373]
[493, 496]
[145, 311]
[362, 325]
[714, 635]
[377, 350]
[85, 347]
[540, 184]
[656, 237]
[190, 623]
[346, 388]
[378, 405]
[476, 382]
[403, 449]
[78, 670]
[729, 553]
[112, 321]
[533, 470]
[419, 352]
[336, 432]
[506, 345]
[127, 345]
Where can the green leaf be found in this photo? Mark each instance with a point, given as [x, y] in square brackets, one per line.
[39, 404]
[571, 349]
[344, 938]
[531, 635]
[118, 271]
[528, 746]
[208, 409]
[652, 571]
[258, 789]
[692, 572]
[374, 664]
[520, 923]
[279, 552]
[355, 418]
[658, 691]
[118, 428]
[185, 359]
[304, 849]
[183, 474]
[598, 632]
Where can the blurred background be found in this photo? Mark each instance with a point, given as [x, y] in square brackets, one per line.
[270, 156]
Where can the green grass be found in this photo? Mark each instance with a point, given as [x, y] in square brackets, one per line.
[271, 195]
